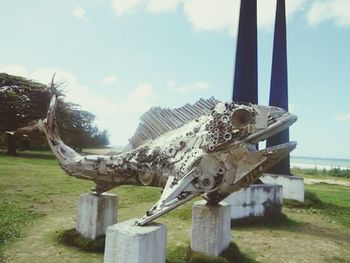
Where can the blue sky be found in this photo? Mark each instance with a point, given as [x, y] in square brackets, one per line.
[119, 57]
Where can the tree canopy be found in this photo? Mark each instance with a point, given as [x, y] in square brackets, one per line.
[23, 102]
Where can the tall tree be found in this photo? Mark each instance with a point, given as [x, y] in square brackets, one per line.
[23, 102]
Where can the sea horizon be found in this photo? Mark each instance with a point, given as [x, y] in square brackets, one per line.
[319, 162]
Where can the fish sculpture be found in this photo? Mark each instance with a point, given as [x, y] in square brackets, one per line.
[208, 149]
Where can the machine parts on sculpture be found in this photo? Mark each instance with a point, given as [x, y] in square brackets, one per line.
[207, 149]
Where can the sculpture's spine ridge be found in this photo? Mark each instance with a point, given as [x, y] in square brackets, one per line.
[158, 121]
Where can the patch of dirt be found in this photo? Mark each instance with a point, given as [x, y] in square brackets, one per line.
[313, 239]
[40, 245]
[327, 181]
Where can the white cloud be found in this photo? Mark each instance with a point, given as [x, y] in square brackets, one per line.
[163, 6]
[109, 80]
[119, 116]
[124, 6]
[79, 12]
[213, 15]
[345, 117]
[198, 86]
[73, 89]
[336, 10]
[224, 14]
[209, 15]
[171, 83]
[266, 10]
[17, 70]
[140, 99]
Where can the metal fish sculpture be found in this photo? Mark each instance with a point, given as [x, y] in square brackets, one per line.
[207, 149]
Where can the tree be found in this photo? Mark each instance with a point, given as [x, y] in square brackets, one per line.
[23, 102]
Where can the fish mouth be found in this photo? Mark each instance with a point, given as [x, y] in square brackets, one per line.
[264, 159]
[257, 161]
[278, 121]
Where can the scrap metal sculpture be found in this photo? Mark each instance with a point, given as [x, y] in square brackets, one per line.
[207, 149]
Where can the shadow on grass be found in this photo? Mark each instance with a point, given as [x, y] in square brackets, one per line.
[46, 155]
[273, 222]
[311, 200]
[37, 155]
[73, 239]
[230, 254]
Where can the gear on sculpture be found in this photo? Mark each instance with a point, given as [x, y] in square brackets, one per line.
[208, 149]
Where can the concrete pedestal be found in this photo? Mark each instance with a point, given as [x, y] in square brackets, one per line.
[96, 213]
[293, 186]
[127, 243]
[211, 228]
[256, 200]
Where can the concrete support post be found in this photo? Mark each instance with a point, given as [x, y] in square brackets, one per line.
[127, 243]
[255, 201]
[96, 213]
[293, 186]
[211, 228]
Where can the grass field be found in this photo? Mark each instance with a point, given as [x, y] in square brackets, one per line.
[38, 201]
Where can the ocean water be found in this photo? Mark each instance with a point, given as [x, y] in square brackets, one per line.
[319, 163]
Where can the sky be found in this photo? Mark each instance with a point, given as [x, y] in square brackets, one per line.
[117, 58]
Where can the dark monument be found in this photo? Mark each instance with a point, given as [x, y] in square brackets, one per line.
[245, 88]
[279, 83]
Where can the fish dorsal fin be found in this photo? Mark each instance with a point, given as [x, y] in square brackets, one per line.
[157, 121]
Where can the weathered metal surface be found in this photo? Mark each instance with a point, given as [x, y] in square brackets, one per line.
[207, 149]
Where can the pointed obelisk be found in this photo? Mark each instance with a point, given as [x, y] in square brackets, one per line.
[279, 82]
[245, 86]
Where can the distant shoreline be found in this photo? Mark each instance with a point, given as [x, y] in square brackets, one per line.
[319, 163]
[320, 158]
[317, 166]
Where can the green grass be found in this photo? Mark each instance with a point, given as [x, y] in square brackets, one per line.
[230, 254]
[13, 220]
[27, 191]
[330, 200]
[177, 254]
[267, 221]
[334, 173]
[72, 238]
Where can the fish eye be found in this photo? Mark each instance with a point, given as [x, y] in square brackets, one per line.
[241, 118]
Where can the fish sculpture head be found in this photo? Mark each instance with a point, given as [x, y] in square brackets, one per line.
[216, 153]
[207, 149]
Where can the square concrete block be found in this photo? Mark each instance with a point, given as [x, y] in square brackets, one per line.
[256, 200]
[293, 186]
[211, 228]
[127, 243]
[96, 213]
